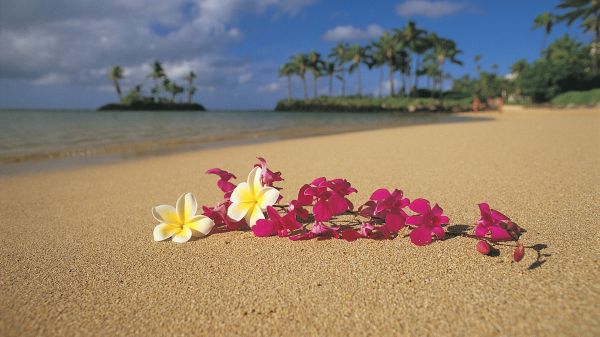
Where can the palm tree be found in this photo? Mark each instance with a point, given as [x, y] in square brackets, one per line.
[116, 74]
[288, 69]
[191, 88]
[588, 11]
[445, 49]
[477, 60]
[156, 75]
[357, 54]
[339, 55]
[315, 65]
[330, 69]
[546, 21]
[300, 61]
[411, 37]
[517, 69]
[385, 49]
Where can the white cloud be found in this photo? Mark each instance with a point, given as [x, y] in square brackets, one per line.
[270, 87]
[244, 78]
[431, 8]
[349, 32]
[77, 41]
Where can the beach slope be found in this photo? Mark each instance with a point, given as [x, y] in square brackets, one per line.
[77, 255]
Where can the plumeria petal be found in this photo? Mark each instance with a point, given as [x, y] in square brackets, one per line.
[254, 180]
[237, 211]
[164, 231]
[242, 193]
[166, 214]
[267, 196]
[184, 235]
[254, 215]
[200, 225]
[186, 207]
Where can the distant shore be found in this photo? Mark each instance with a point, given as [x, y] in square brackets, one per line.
[375, 104]
[140, 106]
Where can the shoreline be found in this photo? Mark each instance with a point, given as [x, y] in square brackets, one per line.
[115, 153]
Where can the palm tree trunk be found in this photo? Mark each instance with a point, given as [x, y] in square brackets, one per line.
[417, 63]
[358, 79]
[380, 81]
[118, 89]
[391, 79]
[595, 51]
[289, 83]
[330, 85]
[304, 87]
[315, 89]
[343, 80]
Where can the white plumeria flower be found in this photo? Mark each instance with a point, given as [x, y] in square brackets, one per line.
[180, 223]
[250, 199]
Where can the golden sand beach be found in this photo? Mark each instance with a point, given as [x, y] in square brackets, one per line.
[78, 258]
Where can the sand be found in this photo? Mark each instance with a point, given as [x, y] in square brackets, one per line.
[77, 254]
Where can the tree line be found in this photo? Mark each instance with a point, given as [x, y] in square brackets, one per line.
[411, 51]
[163, 90]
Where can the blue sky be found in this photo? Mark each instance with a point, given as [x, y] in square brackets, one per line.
[57, 55]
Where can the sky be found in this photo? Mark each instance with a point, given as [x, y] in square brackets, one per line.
[56, 54]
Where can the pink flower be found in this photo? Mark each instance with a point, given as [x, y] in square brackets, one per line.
[319, 229]
[223, 183]
[388, 207]
[519, 252]
[276, 224]
[328, 196]
[268, 177]
[494, 223]
[428, 221]
[483, 247]
[219, 216]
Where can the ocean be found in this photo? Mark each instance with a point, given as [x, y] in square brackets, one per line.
[32, 138]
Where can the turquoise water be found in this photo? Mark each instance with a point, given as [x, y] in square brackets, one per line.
[38, 135]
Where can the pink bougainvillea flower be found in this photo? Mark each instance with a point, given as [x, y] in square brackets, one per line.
[519, 252]
[494, 223]
[483, 247]
[428, 222]
[328, 197]
[387, 206]
[318, 229]
[223, 182]
[276, 224]
[219, 215]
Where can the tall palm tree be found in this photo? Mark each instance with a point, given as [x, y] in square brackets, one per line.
[444, 49]
[288, 70]
[191, 88]
[300, 61]
[517, 69]
[384, 49]
[357, 54]
[315, 66]
[339, 55]
[546, 21]
[588, 11]
[411, 37]
[156, 75]
[115, 75]
[330, 69]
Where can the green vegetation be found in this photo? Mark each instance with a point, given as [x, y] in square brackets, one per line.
[372, 104]
[589, 98]
[164, 92]
[414, 53]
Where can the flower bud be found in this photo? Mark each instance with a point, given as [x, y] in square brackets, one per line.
[519, 252]
[483, 247]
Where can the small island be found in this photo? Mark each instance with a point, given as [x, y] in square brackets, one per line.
[163, 94]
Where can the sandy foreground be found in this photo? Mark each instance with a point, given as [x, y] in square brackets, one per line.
[77, 255]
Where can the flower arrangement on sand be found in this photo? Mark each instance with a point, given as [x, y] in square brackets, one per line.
[322, 210]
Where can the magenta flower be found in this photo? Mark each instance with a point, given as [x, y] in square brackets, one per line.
[268, 177]
[519, 252]
[494, 223]
[318, 229]
[428, 222]
[388, 207]
[276, 224]
[328, 196]
[219, 216]
[483, 247]
[223, 183]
